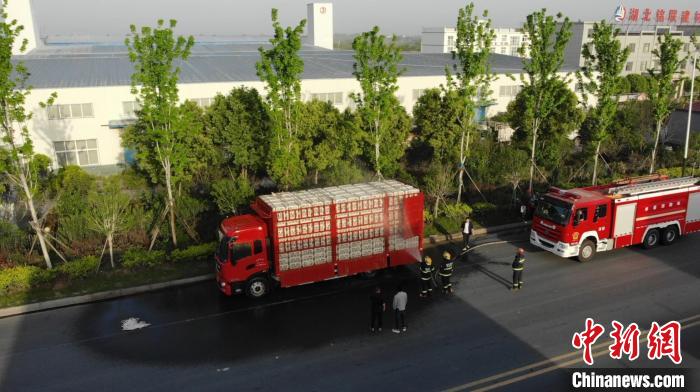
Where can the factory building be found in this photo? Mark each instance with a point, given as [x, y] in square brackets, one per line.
[95, 104]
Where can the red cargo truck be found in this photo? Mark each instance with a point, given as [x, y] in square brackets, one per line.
[646, 210]
[295, 238]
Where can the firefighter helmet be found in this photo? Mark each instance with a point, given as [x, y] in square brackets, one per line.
[428, 260]
[446, 255]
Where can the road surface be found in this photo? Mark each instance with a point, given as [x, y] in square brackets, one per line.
[316, 338]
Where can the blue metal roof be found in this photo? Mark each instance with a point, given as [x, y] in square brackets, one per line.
[65, 66]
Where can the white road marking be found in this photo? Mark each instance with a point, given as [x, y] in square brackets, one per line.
[133, 323]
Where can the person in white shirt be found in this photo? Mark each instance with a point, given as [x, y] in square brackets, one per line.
[399, 306]
[466, 233]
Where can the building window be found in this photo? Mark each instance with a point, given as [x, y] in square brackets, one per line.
[202, 102]
[450, 41]
[503, 50]
[513, 51]
[77, 152]
[417, 93]
[76, 110]
[504, 39]
[332, 98]
[515, 41]
[130, 108]
[509, 91]
[631, 47]
[629, 66]
[589, 34]
[646, 47]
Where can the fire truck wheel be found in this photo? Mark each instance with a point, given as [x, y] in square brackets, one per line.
[257, 287]
[587, 251]
[669, 236]
[651, 239]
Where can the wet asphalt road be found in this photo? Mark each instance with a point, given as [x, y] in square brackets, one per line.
[315, 337]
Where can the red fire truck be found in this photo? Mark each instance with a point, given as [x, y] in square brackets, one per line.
[295, 238]
[646, 210]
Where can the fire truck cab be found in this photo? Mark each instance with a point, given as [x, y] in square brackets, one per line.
[646, 210]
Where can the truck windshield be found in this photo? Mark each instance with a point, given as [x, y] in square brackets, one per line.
[554, 210]
[222, 250]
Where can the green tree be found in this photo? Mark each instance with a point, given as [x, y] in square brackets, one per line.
[434, 118]
[240, 129]
[280, 68]
[545, 49]
[324, 129]
[439, 182]
[20, 165]
[71, 187]
[161, 137]
[565, 116]
[232, 193]
[109, 212]
[603, 59]
[661, 86]
[376, 68]
[469, 88]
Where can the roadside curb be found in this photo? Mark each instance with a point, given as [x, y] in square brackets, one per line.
[99, 296]
[111, 294]
[438, 238]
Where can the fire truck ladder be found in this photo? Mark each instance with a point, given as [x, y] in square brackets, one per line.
[656, 186]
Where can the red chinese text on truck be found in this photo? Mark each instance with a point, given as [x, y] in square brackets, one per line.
[647, 210]
[294, 238]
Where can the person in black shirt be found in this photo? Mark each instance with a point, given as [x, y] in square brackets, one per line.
[378, 306]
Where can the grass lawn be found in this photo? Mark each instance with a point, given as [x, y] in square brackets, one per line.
[107, 280]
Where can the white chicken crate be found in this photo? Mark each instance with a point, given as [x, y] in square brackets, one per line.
[294, 265]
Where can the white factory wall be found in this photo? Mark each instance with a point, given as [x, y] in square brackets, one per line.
[107, 104]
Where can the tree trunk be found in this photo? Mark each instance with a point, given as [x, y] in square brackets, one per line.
[35, 220]
[171, 204]
[435, 208]
[377, 168]
[461, 168]
[532, 157]
[656, 146]
[316, 177]
[595, 164]
[111, 253]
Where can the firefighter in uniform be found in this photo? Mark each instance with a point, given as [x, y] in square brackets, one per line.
[518, 267]
[426, 277]
[446, 271]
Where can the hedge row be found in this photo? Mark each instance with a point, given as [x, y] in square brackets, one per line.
[24, 277]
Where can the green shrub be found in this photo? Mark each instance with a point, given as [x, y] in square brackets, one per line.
[22, 278]
[194, 252]
[13, 242]
[139, 258]
[484, 208]
[457, 211]
[80, 268]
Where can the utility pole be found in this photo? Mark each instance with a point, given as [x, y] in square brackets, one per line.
[690, 114]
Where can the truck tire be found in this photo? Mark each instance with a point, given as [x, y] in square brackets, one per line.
[257, 287]
[587, 251]
[669, 235]
[651, 239]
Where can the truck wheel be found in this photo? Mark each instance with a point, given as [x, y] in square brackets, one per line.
[257, 287]
[587, 251]
[669, 235]
[651, 239]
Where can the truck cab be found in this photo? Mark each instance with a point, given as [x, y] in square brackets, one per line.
[572, 223]
[242, 257]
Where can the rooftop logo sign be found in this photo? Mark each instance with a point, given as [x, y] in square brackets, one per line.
[620, 13]
[656, 16]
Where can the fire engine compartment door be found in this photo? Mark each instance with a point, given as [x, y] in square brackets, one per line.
[624, 224]
[693, 214]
